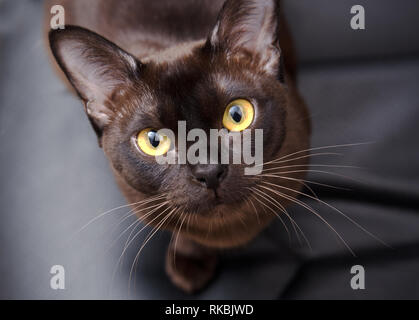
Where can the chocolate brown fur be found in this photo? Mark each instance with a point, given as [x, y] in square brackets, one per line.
[166, 61]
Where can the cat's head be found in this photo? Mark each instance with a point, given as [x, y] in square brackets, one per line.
[127, 100]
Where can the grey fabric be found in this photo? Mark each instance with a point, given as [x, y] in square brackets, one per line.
[54, 178]
[322, 29]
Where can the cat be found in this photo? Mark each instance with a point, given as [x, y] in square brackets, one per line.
[140, 64]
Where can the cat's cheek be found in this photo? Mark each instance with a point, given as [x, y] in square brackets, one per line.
[129, 169]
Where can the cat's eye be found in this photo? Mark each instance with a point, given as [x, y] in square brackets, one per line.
[152, 143]
[238, 115]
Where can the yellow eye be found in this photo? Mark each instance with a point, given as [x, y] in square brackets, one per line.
[239, 115]
[152, 143]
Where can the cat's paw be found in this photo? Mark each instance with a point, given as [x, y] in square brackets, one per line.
[190, 268]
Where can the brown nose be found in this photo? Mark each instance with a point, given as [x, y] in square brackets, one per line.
[210, 175]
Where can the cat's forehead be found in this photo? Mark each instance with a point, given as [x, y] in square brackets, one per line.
[191, 86]
[191, 64]
[199, 76]
[173, 54]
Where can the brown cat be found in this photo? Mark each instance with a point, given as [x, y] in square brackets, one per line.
[156, 63]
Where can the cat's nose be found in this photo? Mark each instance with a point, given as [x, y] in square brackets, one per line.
[210, 175]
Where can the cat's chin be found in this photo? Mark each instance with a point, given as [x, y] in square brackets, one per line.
[211, 206]
[203, 202]
[223, 225]
[214, 209]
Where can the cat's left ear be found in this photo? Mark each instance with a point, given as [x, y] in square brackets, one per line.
[249, 27]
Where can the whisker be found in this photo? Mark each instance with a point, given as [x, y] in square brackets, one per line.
[149, 237]
[293, 222]
[242, 221]
[333, 208]
[317, 171]
[312, 211]
[298, 227]
[326, 147]
[254, 209]
[128, 242]
[145, 226]
[117, 208]
[188, 222]
[137, 224]
[304, 157]
[133, 265]
[174, 232]
[209, 229]
[309, 188]
[311, 165]
[139, 220]
[275, 213]
[302, 180]
[278, 160]
[244, 197]
[126, 216]
[286, 157]
[178, 233]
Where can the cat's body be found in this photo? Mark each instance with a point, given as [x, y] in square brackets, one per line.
[178, 71]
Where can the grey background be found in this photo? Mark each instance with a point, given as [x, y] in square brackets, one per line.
[361, 86]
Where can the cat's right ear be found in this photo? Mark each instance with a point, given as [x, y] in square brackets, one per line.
[96, 68]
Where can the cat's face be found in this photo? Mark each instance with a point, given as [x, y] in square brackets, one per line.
[240, 61]
[196, 89]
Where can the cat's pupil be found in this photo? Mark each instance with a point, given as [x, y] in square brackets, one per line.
[153, 137]
[236, 113]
